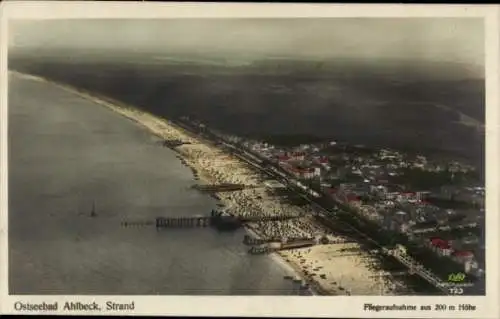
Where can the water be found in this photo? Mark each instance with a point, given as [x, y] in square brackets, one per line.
[64, 154]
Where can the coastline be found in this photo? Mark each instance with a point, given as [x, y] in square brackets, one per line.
[211, 165]
[289, 268]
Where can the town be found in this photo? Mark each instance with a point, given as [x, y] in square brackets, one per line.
[435, 206]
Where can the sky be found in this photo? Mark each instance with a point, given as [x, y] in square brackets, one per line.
[428, 39]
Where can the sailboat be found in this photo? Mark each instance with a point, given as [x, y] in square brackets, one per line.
[93, 213]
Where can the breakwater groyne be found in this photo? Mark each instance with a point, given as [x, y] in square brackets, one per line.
[219, 188]
[277, 246]
[174, 143]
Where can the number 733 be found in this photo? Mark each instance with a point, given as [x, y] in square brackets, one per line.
[456, 290]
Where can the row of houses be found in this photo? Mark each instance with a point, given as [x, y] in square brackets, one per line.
[444, 248]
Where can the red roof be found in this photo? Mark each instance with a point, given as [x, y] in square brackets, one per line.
[283, 158]
[440, 243]
[351, 197]
[299, 154]
[300, 170]
[463, 253]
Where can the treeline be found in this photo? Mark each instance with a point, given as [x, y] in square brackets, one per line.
[422, 179]
[451, 203]
[291, 140]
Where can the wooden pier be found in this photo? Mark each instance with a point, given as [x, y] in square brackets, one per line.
[268, 248]
[183, 222]
[255, 250]
[174, 143]
[217, 219]
[252, 241]
[138, 223]
[259, 246]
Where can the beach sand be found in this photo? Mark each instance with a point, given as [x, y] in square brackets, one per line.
[345, 272]
[339, 269]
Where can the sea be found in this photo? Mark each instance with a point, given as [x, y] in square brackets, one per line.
[68, 154]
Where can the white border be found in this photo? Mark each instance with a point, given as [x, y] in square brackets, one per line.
[352, 306]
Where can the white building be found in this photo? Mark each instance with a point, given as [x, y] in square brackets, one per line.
[445, 251]
[463, 256]
[404, 228]
[471, 266]
[317, 171]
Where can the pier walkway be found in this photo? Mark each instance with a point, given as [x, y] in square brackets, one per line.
[178, 222]
[215, 219]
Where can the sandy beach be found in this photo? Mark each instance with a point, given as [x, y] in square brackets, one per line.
[339, 269]
[336, 268]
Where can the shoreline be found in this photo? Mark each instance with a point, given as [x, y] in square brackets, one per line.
[209, 164]
[289, 267]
